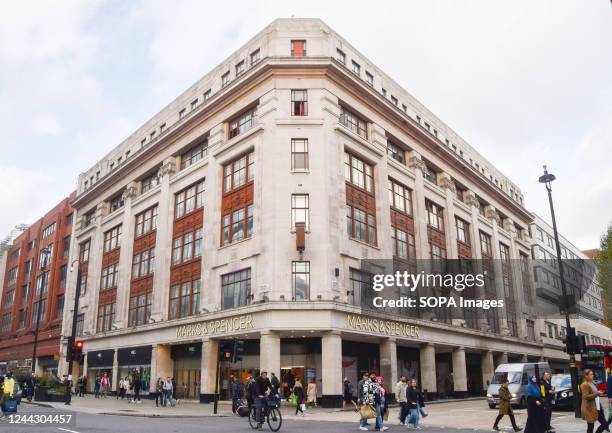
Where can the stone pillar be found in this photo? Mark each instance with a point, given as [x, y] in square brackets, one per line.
[493, 216]
[84, 373]
[388, 366]
[488, 368]
[125, 258]
[502, 358]
[115, 372]
[427, 364]
[416, 163]
[331, 365]
[210, 353]
[161, 364]
[269, 352]
[459, 372]
[445, 181]
[163, 242]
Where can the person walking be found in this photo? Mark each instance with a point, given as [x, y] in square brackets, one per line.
[7, 392]
[548, 392]
[298, 391]
[401, 389]
[84, 386]
[536, 422]
[30, 387]
[311, 392]
[167, 391]
[365, 394]
[104, 384]
[174, 389]
[347, 392]
[261, 387]
[413, 397]
[275, 387]
[68, 384]
[159, 392]
[505, 408]
[237, 393]
[97, 385]
[250, 391]
[137, 385]
[380, 403]
[591, 407]
[121, 392]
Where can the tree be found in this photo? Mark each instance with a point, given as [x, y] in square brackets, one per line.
[604, 267]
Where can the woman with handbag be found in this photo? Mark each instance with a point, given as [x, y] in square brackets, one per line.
[298, 392]
[591, 407]
[380, 403]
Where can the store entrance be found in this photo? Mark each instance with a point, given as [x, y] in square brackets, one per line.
[289, 375]
[187, 369]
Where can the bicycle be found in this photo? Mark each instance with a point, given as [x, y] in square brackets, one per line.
[270, 412]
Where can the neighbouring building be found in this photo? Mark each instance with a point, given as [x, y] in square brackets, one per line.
[580, 273]
[26, 287]
[186, 232]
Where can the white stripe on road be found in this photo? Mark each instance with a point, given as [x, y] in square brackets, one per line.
[69, 431]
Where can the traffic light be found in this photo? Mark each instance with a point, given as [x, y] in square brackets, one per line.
[580, 344]
[238, 350]
[570, 341]
[77, 350]
[226, 350]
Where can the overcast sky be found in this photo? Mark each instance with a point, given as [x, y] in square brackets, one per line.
[525, 82]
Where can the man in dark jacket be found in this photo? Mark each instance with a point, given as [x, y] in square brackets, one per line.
[549, 394]
[262, 385]
[504, 407]
[237, 393]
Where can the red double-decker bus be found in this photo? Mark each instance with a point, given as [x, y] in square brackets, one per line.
[598, 358]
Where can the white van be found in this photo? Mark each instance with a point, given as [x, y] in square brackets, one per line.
[518, 375]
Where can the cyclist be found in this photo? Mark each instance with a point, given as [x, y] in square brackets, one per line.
[262, 386]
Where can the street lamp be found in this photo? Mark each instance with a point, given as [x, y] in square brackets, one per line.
[72, 337]
[546, 179]
[44, 258]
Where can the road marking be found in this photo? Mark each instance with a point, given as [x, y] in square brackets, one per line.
[69, 431]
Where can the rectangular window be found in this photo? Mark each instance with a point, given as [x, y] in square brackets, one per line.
[242, 123]
[299, 103]
[354, 123]
[88, 218]
[300, 279]
[358, 173]
[140, 309]
[14, 255]
[396, 152]
[43, 310]
[400, 197]
[49, 230]
[25, 293]
[106, 317]
[23, 314]
[485, 245]
[27, 269]
[184, 299]
[298, 48]
[340, 56]
[12, 276]
[84, 252]
[189, 200]
[108, 280]
[369, 78]
[149, 182]
[6, 323]
[356, 68]
[80, 323]
[255, 57]
[225, 79]
[236, 289]
[530, 330]
[63, 276]
[39, 283]
[146, 221]
[430, 175]
[434, 216]
[143, 263]
[299, 154]
[112, 239]
[403, 244]
[300, 210]
[187, 247]
[116, 202]
[360, 287]
[66, 247]
[238, 172]
[361, 225]
[59, 307]
[463, 231]
[194, 154]
[9, 298]
[437, 253]
[239, 68]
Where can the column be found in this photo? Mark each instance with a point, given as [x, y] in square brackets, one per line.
[115, 372]
[210, 353]
[388, 366]
[331, 364]
[163, 242]
[427, 364]
[445, 181]
[125, 258]
[269, 352]
[502, 358]
[161, 364]
[488, 368]
[459, 372]
[492, 214]
[84, 373]
[415, 162]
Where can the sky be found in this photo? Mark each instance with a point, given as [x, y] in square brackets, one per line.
[526, 83]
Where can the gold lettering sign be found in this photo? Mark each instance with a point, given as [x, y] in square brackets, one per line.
[380, 326]
[212, 327]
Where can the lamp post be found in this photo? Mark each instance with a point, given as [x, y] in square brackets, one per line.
[546, 179]
[44, 258]
[72, 337]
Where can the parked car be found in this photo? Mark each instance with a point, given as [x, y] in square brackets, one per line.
[564, 395]
[518, 375]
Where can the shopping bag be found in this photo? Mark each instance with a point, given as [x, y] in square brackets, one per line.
[367, 412]
[9, 406]
[294, 400]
